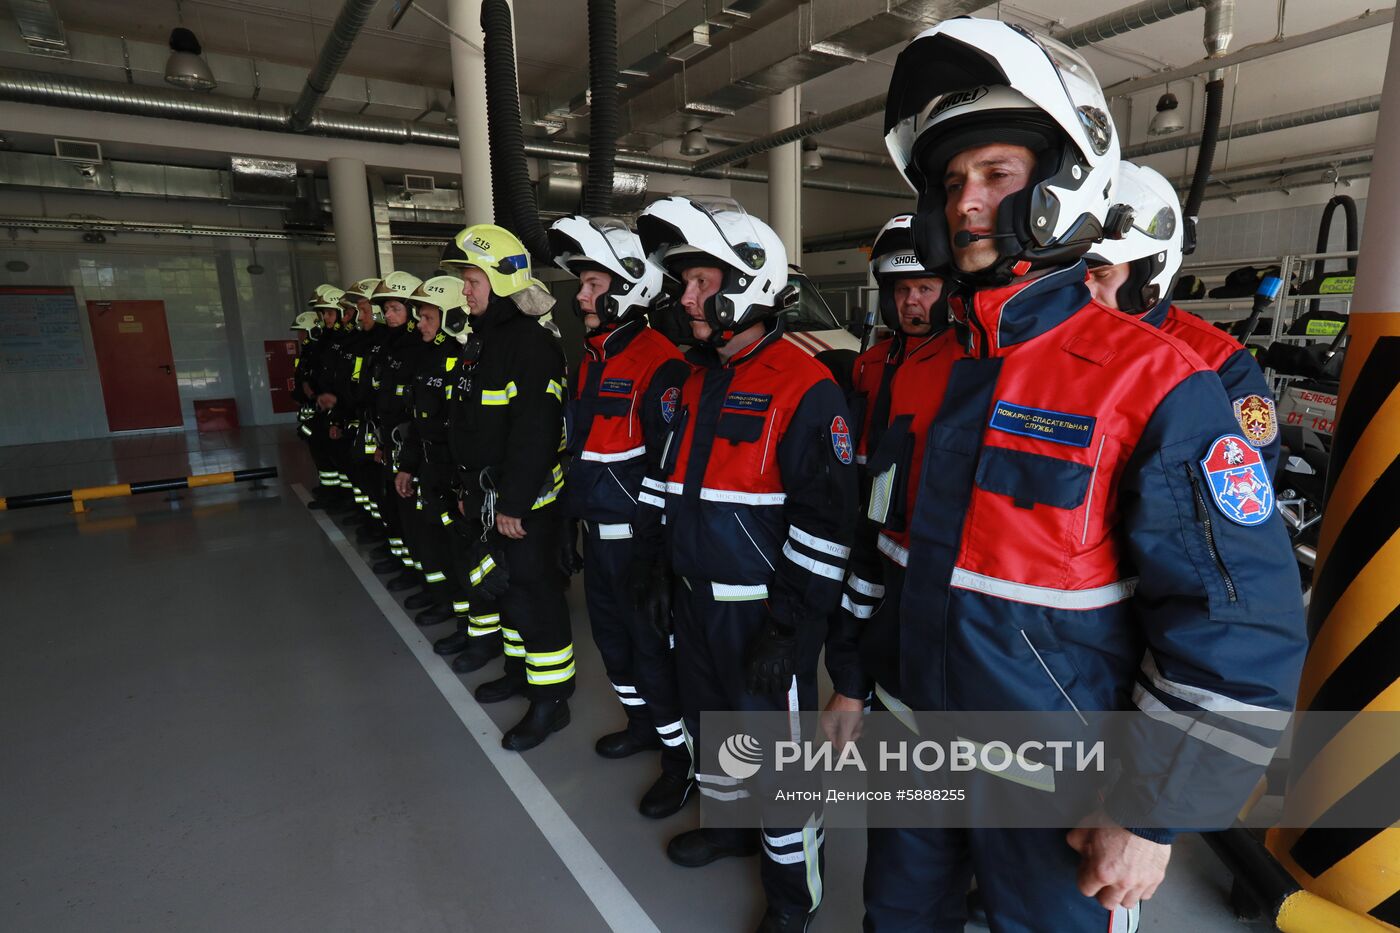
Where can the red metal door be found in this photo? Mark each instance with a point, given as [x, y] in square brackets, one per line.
[281, 373]
[136, 365]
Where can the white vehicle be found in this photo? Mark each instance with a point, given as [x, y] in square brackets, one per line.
[810, 324]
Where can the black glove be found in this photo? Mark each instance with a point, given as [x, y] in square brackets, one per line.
[650, 581]
[570, 560]
[488, 574]
[771, 660]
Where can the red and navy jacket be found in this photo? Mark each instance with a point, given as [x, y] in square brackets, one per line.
[1092, 533]
[615, 419]
[757, 481]
[858, 655]
[1239, 372]
[871, 375]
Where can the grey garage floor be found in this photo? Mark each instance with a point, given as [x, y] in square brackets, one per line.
[209, 720]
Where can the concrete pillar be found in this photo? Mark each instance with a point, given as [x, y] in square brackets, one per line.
[1351, 663]
[785, 173]
[469, 86]
[354, 227]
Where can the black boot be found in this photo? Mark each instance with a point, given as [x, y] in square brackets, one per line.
[420, 600]
[502, 688]
[387, 565]
[625, 743]
[404, 581]
[434, 615]
[666, 796]
[785, 919]
[370, 532]
[543, 717]
[382, 552]
[479, 652]
[703, 846]
[451, 644]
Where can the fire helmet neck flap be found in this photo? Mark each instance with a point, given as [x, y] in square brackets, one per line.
[974, 82]
[607, 244]
[685, 232]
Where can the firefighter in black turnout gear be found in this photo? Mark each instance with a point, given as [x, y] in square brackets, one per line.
[616, 429]
[505, 433]
[316, 375]
[365, 346]
[758, 490]
[437, 533]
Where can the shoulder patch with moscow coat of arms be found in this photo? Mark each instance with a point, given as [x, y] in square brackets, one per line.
[1258, 419]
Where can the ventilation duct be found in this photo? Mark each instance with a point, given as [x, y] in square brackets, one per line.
[40, 27]
[270, 182]
[347, 25]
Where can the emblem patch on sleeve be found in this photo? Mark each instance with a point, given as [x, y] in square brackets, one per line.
[1238, 481]
[1258, 419]
[669, 399]
[841, 440]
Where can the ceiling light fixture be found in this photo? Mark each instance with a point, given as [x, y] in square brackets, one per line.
[693, 142]
[1168, 119]
[811, 158]
[186, 66]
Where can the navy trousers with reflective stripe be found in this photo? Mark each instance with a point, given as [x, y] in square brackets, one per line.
[637, 658]
[712, 640]
[916, 881]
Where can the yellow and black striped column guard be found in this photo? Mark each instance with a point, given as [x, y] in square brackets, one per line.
[89, 493]
[1354, 661]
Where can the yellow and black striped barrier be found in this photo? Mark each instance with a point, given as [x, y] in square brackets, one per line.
[88, 493]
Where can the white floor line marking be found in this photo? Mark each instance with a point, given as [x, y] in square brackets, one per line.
[609, 895]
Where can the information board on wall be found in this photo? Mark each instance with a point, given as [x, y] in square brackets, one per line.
[40, 330]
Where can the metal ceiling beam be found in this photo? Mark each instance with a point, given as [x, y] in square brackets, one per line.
[33, 87]
[1249, 53]
[1113, 24]
[1283, 121]
[818, 37]
[347, 26]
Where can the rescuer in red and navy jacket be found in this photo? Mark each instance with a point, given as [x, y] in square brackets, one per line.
[912, 306]
[1136, 273]
[1090, 530]
[758, 491]
[617, 427]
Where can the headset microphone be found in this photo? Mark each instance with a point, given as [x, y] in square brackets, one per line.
[965, 238]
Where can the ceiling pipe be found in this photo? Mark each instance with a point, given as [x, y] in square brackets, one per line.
[1105, 27]
[1313, 162]
[1286, 187]
[33, 87]
[347, 26]
[1249, 53]
[1124, 20]
[1283, 121]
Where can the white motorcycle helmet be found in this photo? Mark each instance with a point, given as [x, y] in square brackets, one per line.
[892, 258]
[681, 232]
[973, 82]
[606, 243]
[396, 285]
[1152, 245]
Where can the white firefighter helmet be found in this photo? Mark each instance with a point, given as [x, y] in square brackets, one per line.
[608, 244]
[680, 232]
[1152, 244]
[973, 82]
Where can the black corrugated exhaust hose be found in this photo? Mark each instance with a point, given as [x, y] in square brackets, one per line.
[603, 111]
[507, 130]
[1324, 236]
[1205, 157]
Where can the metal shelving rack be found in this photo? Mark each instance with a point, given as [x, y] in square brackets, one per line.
[1293, 269]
